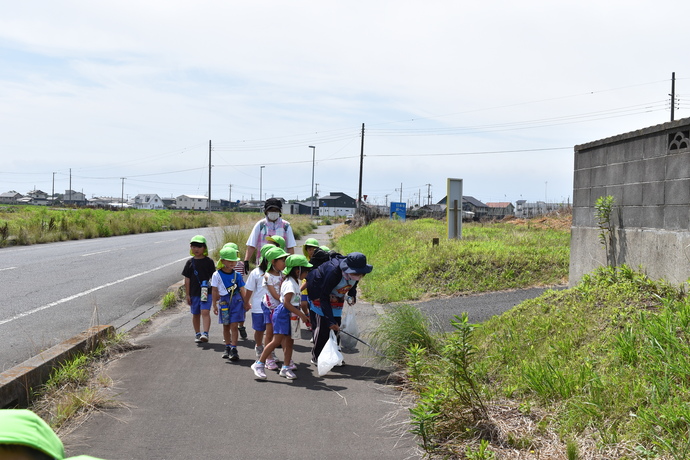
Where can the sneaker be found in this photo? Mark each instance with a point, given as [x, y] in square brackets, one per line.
[274, 357]
[197, 338]
[226, 355]
[258, 369]
[234, 356]
[314, 362]
[341, 363]
[287, 373]
[292, 365]
[243, 332]
[204, 337]
[259, 349]
[271, 364]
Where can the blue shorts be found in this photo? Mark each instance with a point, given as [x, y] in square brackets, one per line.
[235, 313]
[268, 314]
[258, 322]
[281, 320]
[197, 305]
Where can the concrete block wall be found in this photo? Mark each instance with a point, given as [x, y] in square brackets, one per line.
[648, 174]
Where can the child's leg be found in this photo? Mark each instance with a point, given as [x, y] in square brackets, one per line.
[234, 330]
[258, 338]
[206, 319]
[288, 343]
[277, 340]
[227, 338]
[268, 337]
[196, 323]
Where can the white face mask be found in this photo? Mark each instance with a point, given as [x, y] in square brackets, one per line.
[272, 216]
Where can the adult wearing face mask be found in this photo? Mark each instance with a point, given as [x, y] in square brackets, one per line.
[272, 225]
[329, 286]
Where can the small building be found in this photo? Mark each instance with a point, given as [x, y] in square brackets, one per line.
[499, 210]
[38, 197]
[336, 204]
[74, 198]
[192, 202]
[10, 197]
[148, 201]
[471, 205]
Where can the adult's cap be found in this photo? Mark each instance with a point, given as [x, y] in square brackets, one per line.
[355, 262]
[273, 203]
[279, 240]
[23, 427]
[229, 254]
[295, 260]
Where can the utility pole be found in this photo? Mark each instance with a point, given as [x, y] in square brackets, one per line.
[230, 193]
[70, 185]
[122, 196]
[361, 165]
[673, 94]
[53, 194]
[428, 194]
[400, 190]
[209, 176]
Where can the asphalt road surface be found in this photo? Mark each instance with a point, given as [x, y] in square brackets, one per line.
[51, 292]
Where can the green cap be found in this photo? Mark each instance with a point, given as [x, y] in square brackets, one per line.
[295, 260]
[325, 248]
[232, 245]
[279, 240]
[311, 242]
[229, 254]
[24, 428]
[199, 239]
[273, 254]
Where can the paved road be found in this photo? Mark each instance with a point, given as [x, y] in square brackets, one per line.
[51, 292]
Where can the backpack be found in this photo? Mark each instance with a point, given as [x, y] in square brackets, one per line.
[319, 271]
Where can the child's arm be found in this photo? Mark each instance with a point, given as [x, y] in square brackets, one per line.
[214, 298]
[186, 290]
[272, 291]
[243, 293]
[247, 297]
[287, 298]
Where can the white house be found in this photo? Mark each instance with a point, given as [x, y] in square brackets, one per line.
[193, 202]
[148, 201]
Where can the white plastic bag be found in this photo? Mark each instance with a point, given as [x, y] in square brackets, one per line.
[329, 356]
[349, 325]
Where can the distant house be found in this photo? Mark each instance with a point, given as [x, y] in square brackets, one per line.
[10, 197]
[38, 197]
[500, 210]
[168, 203]
[106, 202]
[74, 198]
[337, 204]
[192, 202]
[473, 205]
[148, 201]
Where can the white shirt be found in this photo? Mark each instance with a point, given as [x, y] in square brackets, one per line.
[254, 283]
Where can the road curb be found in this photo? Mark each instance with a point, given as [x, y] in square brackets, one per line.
[18, 383]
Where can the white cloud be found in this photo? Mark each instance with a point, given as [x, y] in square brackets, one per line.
[122, 89]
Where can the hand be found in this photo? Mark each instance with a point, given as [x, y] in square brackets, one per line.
[335, 327]
[351, 300]
[215, 309]
[246, 267]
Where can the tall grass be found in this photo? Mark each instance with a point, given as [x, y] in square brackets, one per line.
[488, 258]
[24, 225]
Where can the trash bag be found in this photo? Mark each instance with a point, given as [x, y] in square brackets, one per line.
[349, 325]
[329, 356]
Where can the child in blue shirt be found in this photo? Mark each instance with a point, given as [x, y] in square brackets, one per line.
[228, 293]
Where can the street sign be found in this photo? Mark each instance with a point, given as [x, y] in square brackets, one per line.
[398, 211]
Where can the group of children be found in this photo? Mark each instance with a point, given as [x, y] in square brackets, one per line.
[272, 292]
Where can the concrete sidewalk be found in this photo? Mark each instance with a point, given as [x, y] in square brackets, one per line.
[183, 401]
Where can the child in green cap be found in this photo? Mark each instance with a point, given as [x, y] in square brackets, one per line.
[197, 272]
[228, 293]
[296, 269]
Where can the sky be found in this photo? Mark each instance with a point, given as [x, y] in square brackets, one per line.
[119, 98]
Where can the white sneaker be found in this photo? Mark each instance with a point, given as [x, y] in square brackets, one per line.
[258, 369]
[287, 373]
[292, 366]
